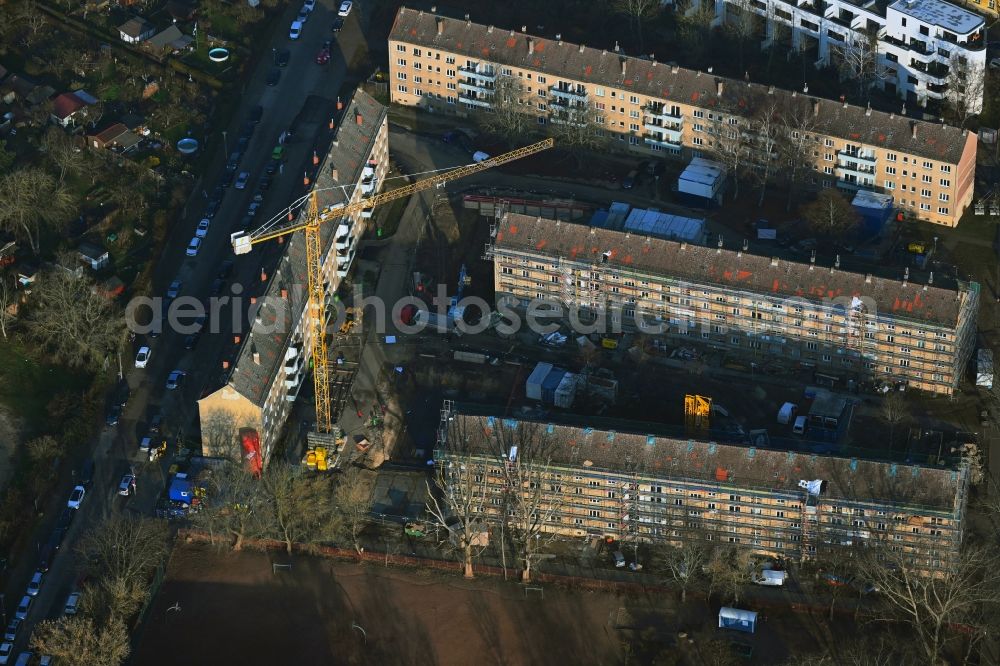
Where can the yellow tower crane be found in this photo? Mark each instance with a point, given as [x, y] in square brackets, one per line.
[311, 222]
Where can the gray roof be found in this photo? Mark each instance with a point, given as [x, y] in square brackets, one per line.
[941, 14]
[136, 26]
[268, 337]
[167, 37]
[663, 82]
[653, 456]
[729, 268]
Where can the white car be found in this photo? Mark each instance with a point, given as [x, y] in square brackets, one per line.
[72, 604]
[193, 247]
[76, 497]
[345, 8]
[127, 485]
[174, 379]
[35, 586]
[22, 608]
[142, 358]
[309, 5]
[202, 228]
[295, 31]
[5, 651]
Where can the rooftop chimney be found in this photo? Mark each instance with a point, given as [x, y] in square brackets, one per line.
[868, 278]
[652, 56]
[868, 111]
[718, 88]
[836, 262]
[805, 88]
[617, 48]
[624, 63]
[903, 111]
[434, 9]
[559, 38]
[531, 46]
[930, 280]
[710, 69]
[746, 244]
[524, 28]
[581, 48]
[334, 174]
[770, 90]
[489, 29]
[719, 250]
[843, 100]
[906, 276]
[674, 69]
[774, 262]
[812, 260]
[467, 18]
[256, 357]
[440, 24]
[795, 93]
[913, 129]
[358, 119]
[815, 107]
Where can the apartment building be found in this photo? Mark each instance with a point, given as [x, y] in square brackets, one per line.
[918, 42]
[271, 363]
[638, 486]
[656, 109]
[846, 325]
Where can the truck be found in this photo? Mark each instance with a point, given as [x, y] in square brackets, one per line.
[787, 413]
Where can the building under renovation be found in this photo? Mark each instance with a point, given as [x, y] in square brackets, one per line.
[848, 326]
[645, 487]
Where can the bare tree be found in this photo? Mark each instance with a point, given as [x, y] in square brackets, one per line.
[81, 641]
[74, 324]
[683, 564]
[895, 410]
[765, 137]
[510, 117]
[220, 434]
[859, 60]
[694, 27]
[9, 302]
[352, 497]
[830, 214]
[729, 144]
[796, 146]
[934, 604]
[638, 12]
[838, 566]
[740, 24]
[457, 500]
[33, 19]
[524, 457]
[577, 127]
[233, 505]
[730, 569]
[966, 84]
[63, 152]
[32, 201]
[301, 505]
[43, 451]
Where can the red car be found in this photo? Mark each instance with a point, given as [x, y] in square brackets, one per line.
[323, 56]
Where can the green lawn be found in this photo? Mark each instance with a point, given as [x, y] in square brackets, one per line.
[26, 386]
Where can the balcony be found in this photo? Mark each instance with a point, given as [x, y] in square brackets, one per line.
[656, 140]
[345, 258]
[343, 242]
[574, 95]
[849, 179]
[477, 86]
[937, 88]
[662, 113]
[974, 42]
[293, 365]
[663, 134]
[561, 117]
[864, 159]
[487, 74]
[366, 213]
[469, 99]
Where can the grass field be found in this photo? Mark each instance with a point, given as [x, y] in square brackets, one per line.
[26, 386]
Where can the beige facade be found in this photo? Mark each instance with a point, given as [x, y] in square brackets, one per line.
[273, 361]
[656, 109]
[849, 326]
[638, 487]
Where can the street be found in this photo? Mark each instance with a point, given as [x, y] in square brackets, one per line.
[115, 449]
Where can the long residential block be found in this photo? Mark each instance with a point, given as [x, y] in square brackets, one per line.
[643, 487]
[655, 109]
[846, 325]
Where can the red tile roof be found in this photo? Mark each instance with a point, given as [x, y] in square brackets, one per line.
[66, 105]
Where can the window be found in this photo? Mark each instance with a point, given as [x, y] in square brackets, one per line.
[945, 182]
[928, 165]
[506, 71]
[599, 92]
[943, 211]
[889, 185]
[451, 86]
[633, 99]
[943, 197]
[418, 79]
[926, 178]
[698, 127]
[417, 65]
[698, 113]
[449, 60]
[450, 72]
[541, 79]
[633, 127]
[401, 76]
[925, 193]
[828, 143]
[891, 170]
[401, 88]
[890, 157]
[697, 141]
[945, 168]
[401, 48]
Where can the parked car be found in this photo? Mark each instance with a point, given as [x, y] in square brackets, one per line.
[87, 472]
[241, 180]
[338, 25]
[191, 341]
[323, 57]
[345, 8]
[35, 584]
[264, 183]
[126, 486]
[211, 209]
[193, 247]
[303, 16]
[175, 379]
[11, 632]
[114, 413]
[174, 289]
[273, 77]
[72, 604]
[309, 5]
[5, 651]
[142, 358]
[76, 497]
[631, 180]
[253, 208]
[22, 608]
[155, 421]
[296, 30]
[202, 229]
[272, 167]
[277, 153]
[281, 57]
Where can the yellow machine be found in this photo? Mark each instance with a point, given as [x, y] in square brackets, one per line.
[697, 410]
[310, 223]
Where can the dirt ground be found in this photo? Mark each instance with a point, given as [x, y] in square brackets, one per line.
[233, 610]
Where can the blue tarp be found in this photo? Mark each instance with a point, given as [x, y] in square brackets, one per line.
[180, 491]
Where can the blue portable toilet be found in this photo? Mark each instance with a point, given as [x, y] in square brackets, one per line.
[738, 619]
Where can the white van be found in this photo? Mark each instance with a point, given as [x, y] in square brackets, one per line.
[619, 559]
[787, 413]
[800, 426]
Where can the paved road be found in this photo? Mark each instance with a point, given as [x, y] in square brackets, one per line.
[115, 450]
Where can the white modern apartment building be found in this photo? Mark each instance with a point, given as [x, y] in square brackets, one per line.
[922, 45]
